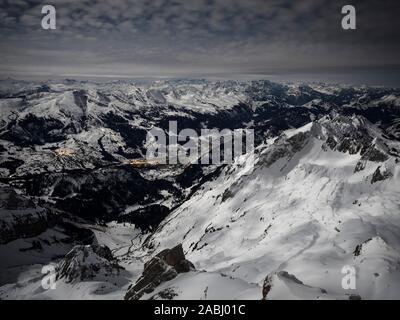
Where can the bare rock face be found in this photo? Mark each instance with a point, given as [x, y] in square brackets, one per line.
[165, 266]
[176, 258]
[380, 174]
[86, 263]
[285, 147]
[274, 277]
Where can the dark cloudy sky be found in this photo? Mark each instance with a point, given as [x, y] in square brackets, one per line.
[201, 38]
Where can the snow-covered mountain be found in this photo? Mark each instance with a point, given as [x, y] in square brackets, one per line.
[323, 193]
[315, 195]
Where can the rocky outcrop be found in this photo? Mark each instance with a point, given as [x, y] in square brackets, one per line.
[369, 247]
[354, 135]
[281, 284]
[84, 263]
[165, 266]
[271, 278]
[285, 147]
[380, 174]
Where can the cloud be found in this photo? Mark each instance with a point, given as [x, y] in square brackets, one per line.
[186, 37]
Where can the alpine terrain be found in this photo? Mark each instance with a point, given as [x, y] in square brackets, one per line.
[312, 213]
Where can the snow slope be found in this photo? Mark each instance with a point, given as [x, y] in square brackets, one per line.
[303, 209]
